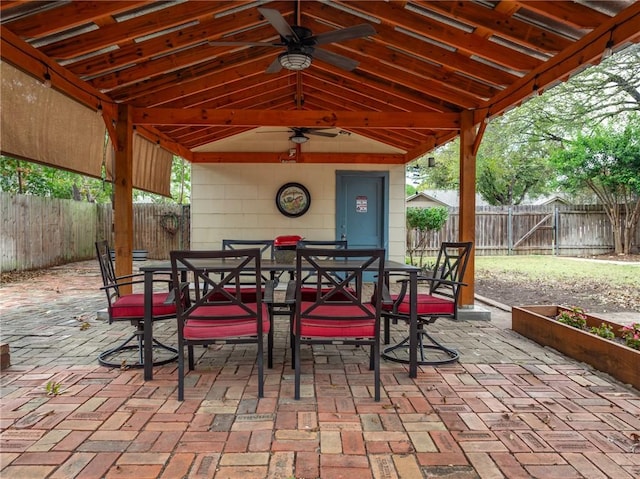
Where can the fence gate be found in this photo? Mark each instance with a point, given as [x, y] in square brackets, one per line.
[547, 226]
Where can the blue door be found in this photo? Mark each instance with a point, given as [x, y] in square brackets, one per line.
[362, 208]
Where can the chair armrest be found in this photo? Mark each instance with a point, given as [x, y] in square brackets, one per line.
[119, 285]
[433, 280]
[158, 276]
[386, 295]
[171, 297]
[290, 295]
[137, 281]
[130, 276]
[404, 293]
[269, 288]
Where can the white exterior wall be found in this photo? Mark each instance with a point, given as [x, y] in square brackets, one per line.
[237, 201]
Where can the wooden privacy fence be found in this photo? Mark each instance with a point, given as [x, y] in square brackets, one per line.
[570, 231]
[157, 228]
[38, 232]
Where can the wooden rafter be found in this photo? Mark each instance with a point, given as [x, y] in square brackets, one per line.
[427, 57]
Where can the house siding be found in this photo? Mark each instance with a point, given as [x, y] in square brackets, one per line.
[238, 201]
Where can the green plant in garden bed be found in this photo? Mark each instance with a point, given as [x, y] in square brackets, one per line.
[604, 331]
[631, 335]
[575, 318]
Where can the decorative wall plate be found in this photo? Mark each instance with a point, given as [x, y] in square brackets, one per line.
[293, 199]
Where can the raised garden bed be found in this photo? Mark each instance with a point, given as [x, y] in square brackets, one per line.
[612, 357]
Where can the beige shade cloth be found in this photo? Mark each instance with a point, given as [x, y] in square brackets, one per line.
[151, 166]
[42, 125]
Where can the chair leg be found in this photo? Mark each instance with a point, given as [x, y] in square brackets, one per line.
[181, 371]
[292, 339]
[400, 352]
[372, 358]
[376, 370]
[192, 360]
[105, 357]
[260, 366]
[270, 348]
[140, 334]
[387, 330]
[296, 365]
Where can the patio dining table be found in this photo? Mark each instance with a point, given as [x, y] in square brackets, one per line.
[269, 266]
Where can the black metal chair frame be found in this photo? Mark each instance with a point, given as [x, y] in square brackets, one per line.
[111, 286]
[266, 250]
[308, 280]
[219, 286]
[347, 285]
[445, 282]
[337, 244]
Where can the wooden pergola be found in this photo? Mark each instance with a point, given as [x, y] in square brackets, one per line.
[433, 70]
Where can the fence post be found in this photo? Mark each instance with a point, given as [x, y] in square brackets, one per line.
[556, 235]
[509, 230]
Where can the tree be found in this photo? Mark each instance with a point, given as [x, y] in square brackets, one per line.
[423, 220]
[602, 94]
[23, 177]
[512, 158]
[608, 163]
[510, 166]
[446, 172]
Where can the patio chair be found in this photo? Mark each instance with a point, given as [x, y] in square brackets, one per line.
[338, 313]
[218, 312]
[308, 288]
[265, 246]
[130, 307]
[440, 301]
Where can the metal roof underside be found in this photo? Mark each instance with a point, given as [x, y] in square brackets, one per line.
[427, 62]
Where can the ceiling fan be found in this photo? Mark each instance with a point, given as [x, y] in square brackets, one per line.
[299, 134]
[301, 44]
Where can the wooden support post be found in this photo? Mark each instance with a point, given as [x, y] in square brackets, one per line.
[467, 231]
[123, 195]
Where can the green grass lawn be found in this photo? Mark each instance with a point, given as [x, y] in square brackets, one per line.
[560, 269]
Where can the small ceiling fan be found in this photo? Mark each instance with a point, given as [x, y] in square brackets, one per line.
[299, 134]
[301, 44]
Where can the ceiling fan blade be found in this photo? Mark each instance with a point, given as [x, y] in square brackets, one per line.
[275, 66]
[321, 133]
[357, 31]
[275, 18]
[237, 44]
[335, 59]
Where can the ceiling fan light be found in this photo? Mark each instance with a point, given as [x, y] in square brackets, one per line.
[294, 61]
[299, 139]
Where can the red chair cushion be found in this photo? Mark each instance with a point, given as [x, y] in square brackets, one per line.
[349, 327]
[132, 306]
[427, 304]
[221, 325]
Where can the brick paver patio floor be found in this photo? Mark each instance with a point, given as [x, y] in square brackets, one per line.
[509, 408]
